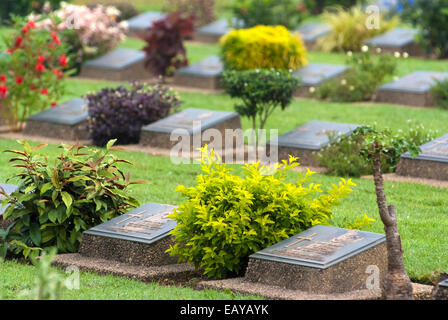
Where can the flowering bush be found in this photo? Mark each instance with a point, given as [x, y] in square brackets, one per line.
[263, 47]
[367, 72]
[30, 72]
[90, 31]
[165, 51]
[120, 113]
[202, 10]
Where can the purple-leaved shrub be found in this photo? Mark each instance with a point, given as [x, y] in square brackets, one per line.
[119, 113]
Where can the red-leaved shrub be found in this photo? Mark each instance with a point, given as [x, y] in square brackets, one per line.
[165, 51]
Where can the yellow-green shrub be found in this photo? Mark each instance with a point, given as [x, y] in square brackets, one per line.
[227, 217]
[263, 47]
[349, 30]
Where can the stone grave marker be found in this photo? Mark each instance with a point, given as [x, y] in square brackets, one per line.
[307, 139]
[138, 237]
[413, 89]
[142, 23]
[67, 120]
[311, 32]
[211, 33]
[204, 74]
[8, 188]
[118, 65]
[441, 292]
[397, 40]
[193, 122]
[322, 259]
[431, 163]
[314, 74]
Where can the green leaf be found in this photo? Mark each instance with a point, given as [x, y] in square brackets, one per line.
[110, 144]
[46, 187]
[67, 198]
[35, 233]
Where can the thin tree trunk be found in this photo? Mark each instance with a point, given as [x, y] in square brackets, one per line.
[397, 283]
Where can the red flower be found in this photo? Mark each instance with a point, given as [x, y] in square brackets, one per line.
[31, 24]
[63, 60]
[44, 91]
[19, 80]
[3, 91]
[56, 71]
[41, 59]
[51, 46]
[24, 30]
[55, 38]
[53, 104]
[8, 50]
[301, 7]
[2, 78]
[18, 42]
[40, 67]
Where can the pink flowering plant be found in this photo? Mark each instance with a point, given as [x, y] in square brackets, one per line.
[31, 72]
[90, 31]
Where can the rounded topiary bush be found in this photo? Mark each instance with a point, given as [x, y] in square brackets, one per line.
[263, 47]
[227, 217]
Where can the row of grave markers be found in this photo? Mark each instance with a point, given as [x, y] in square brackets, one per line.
[69, 121]
[398, 39]
[128, 64]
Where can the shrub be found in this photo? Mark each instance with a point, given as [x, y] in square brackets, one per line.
[260, 91]
[268, 12]
[430, 18]
[263, 47]
[24, 7]
[201, 10]
[58, 199]
[31, 72]
[342, 158]
[227, 217]
[127, 9]
[165, 51]
[361, 81]
[318, 6]
[440, 93]
[119, 113]
[90, 32]
[348, 29]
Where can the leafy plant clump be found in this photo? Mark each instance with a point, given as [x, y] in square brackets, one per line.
[367, 71]
[342, 158]
[263, 47]
[227, 217]
[318, 6]
[58, 199]
[8, 8]
[440, 93]
[268, 12]
[119, 113]
[31, 72]
[349, 30]
[165, 51]
[201, 10]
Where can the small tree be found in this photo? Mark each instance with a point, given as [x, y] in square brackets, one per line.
[261, 91]
[381, 145]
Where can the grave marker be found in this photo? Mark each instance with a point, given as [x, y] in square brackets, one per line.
[67, 120]
[397, 40]
[118, 65]
[142, 23]
[314, 74]
[139, 237]
[8, 188]
[431, 163]
[307, 139]
[211, 33]
[322, 259]
[311, 32]
[204, 74]
[157, 134]
[412, 90]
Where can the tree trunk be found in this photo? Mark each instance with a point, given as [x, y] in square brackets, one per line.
[397, 285]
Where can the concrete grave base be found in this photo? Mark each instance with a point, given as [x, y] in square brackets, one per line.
[405, 98]
[172, 272]
[54, 130]
[306, 156]
[198, 81]
[423, 169]
[272, 292]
